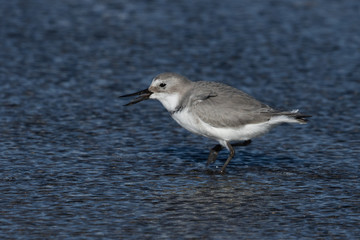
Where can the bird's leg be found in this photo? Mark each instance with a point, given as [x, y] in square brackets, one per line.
[215, 151]
[232, 152]
[244, 143]
[213, 154]
[231, 155]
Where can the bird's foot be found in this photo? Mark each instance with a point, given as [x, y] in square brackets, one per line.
[213, 154]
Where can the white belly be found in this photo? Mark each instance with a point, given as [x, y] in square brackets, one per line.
[241, 133]
[197, 126]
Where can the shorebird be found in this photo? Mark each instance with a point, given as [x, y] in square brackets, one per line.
[216, 111]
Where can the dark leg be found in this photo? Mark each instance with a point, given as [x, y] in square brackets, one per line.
[232, 152]
[244, 143]
[213, 154]
[231, 155]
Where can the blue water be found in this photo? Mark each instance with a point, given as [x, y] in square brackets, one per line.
[75, 163]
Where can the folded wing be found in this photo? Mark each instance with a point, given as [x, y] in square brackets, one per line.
[223, 106]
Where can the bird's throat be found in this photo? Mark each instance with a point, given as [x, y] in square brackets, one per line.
[169, 101]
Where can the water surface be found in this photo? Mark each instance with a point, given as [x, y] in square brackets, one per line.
[77, 164]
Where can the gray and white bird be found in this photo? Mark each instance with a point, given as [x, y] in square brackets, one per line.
[215, 110]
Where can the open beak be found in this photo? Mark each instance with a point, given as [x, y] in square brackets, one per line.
[143, 95]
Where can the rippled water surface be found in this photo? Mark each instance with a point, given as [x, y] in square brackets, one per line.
[75, 163]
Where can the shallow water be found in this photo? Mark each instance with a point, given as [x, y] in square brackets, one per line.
[75, 163]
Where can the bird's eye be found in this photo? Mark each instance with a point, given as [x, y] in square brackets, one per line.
[162, 84]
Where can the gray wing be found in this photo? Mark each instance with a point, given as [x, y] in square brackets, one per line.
[223, 106]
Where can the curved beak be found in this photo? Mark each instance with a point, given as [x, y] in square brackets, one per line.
[143, 95]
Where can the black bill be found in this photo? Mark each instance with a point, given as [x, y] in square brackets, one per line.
[143, 95]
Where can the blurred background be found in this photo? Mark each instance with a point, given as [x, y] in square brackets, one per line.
[75, 163]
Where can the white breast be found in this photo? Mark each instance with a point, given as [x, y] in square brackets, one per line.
[189, 122]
